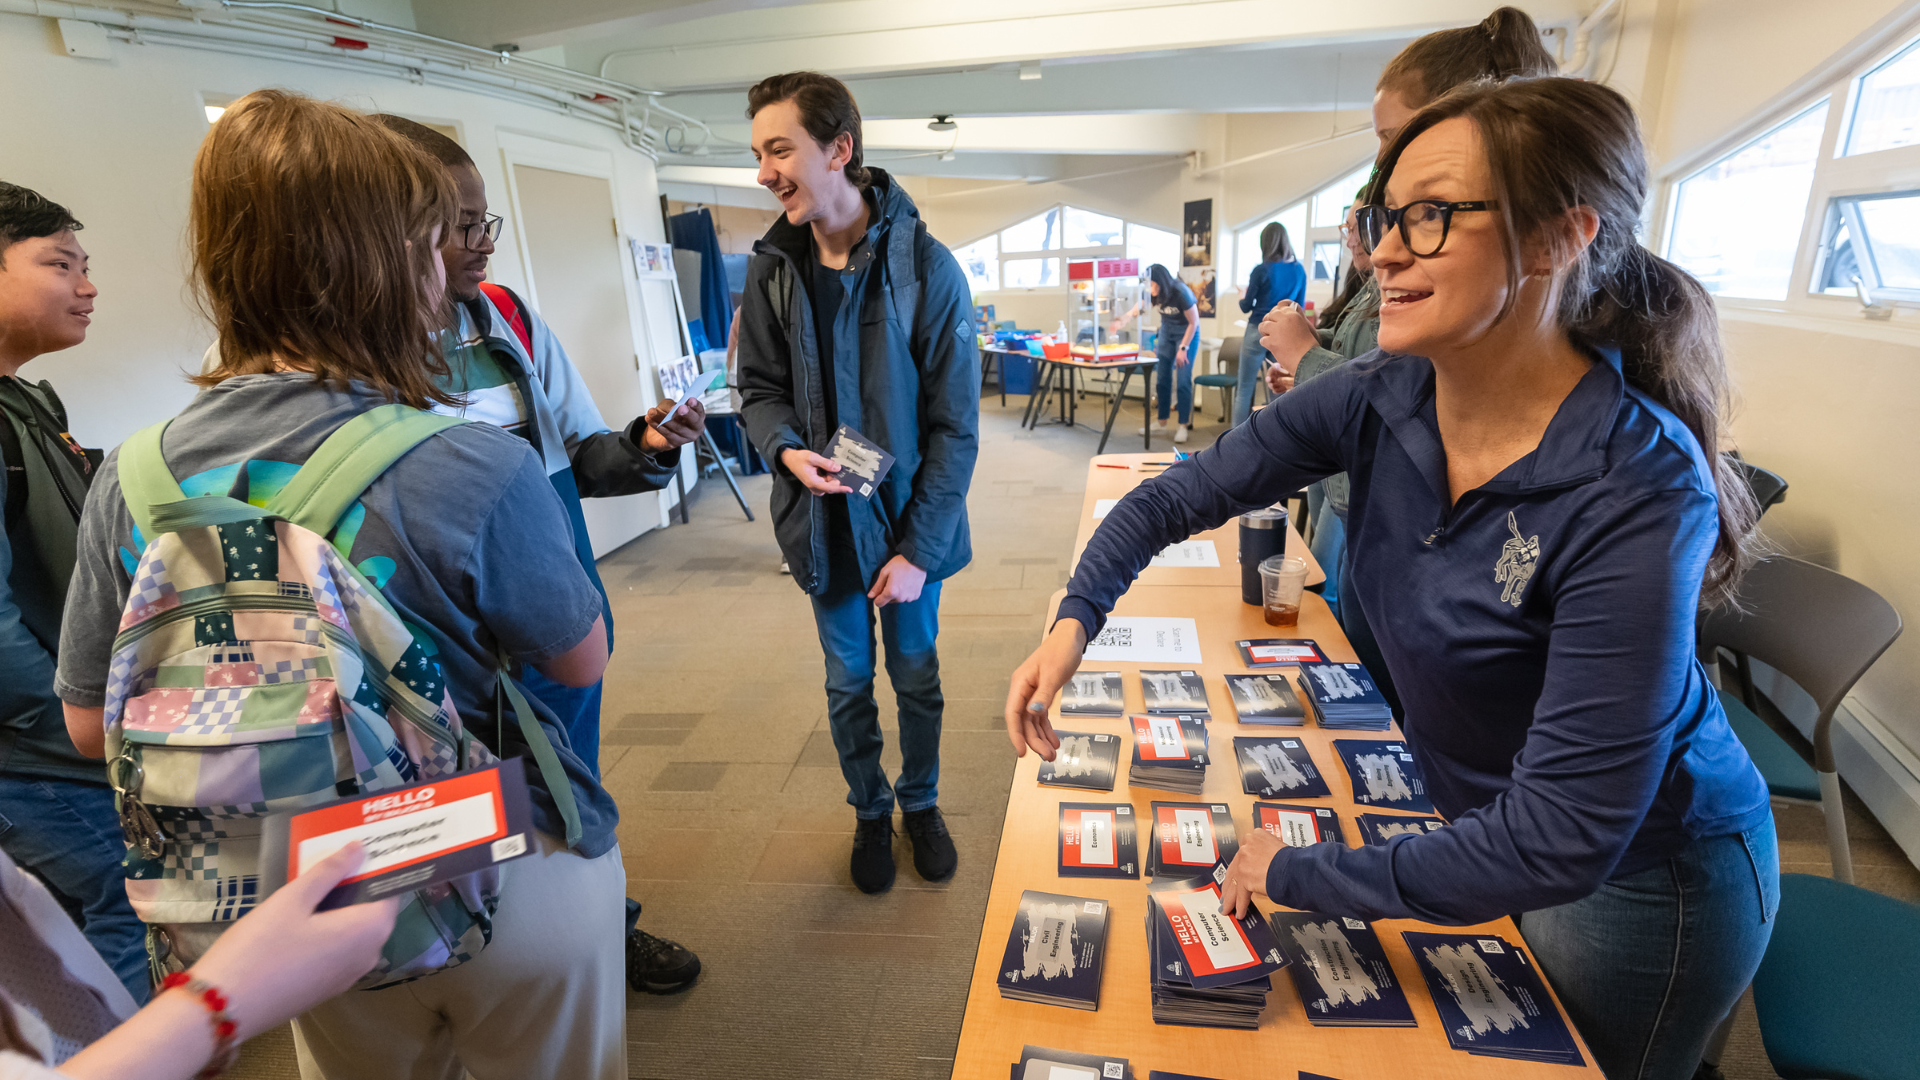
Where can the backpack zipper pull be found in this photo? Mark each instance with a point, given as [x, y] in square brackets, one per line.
[137, 823]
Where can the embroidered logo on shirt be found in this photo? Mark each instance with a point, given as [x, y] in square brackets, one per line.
[1517, 559]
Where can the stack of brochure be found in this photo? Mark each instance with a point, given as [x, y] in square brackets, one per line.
[1298, 826]
[1093, 693]
[1054, 951]
[1188, 838]
[1169, 752]
[1341, 971]
[1384, 775]
[1280, 652]
[1491, 998]
[1265, 699]
[1170, 693]
[1086, 759]
[1098, 840]
[1046, 1063]
[1278, 766]
[1343, 697]
[1208, 968]
[1377, 829]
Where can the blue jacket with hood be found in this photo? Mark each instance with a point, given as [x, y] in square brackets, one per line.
[906, 374]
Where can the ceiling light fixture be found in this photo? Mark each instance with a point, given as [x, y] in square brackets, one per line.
[1030, 71]
[948, 156]
[942, 122]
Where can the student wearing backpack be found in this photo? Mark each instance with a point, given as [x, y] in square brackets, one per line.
[511, 370]
[56, 810]
[328, 321]
[854, 315]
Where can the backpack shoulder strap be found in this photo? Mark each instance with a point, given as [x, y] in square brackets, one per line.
[349, 460]
[514, 309]
[145, 480]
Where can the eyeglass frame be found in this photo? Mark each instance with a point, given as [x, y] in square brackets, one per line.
[491, 225]
[1396, 218]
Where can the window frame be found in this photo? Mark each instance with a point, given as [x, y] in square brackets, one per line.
[1879, 172]
[1061, 255]
[1302, 244]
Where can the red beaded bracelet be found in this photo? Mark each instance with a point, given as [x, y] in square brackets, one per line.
[223, 1025]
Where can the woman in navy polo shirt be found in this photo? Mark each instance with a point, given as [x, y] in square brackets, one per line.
[1536, 515]
[1175, 344]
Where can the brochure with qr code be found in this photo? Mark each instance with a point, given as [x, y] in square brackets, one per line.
[1093, 693]
[1054, 951]
[1491, 998]
[1189, 837]
[1265, 699]
[1098, 840]
[1280, 652]
[415, 836]
[1281, 766]
[1341, 971]
[1046, 1063]
[1377, 829]
[1384, 775]
[1298, 826]
[863, 464]
[1086, 759]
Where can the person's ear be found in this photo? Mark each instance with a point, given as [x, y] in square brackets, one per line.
[842, 151]
[1560, 243]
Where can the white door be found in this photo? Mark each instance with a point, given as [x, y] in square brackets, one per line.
[573, 255]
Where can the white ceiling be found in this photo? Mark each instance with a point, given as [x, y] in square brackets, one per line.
[1122, 81]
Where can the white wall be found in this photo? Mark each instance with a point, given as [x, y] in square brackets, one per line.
[114, 141]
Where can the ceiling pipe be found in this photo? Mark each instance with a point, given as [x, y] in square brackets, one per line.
[1582, 37]
[1324, 140]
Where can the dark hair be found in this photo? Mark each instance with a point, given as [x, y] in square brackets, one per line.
[1350, 289]
[1502, 45]
[827, 111]
[1556, 144]
[26, 214]
[1163, 277]
[311, 228]
[436, 144]
[1274, 245]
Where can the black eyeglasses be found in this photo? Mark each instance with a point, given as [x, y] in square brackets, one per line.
[490, 228]
[1423, 224]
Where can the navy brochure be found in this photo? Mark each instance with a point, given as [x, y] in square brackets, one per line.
[1174, 692]
[1217, 949]
[1093, 693]
[1169, 752]
[1188, 838]
[1265, 699]
[1156, 1074]
[1280, 652]
[1054, 951]
[1344, 696]
[1277, 765]
[863, 464]
[1383, 775]
[1377, 829]
[1341, 971]
[1086, 759]
[1044, 1063]
[1298, 826]
[1098, 840]
[1491, 998]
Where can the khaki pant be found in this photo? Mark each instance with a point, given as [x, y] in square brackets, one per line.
[546, 999]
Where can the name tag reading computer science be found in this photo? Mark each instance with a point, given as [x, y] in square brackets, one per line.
[414, 836]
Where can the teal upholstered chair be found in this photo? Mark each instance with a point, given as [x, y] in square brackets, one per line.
[1823, 631]
[1226, 380]
[1837, 993]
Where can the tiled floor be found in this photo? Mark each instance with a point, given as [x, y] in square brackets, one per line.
[734, 825]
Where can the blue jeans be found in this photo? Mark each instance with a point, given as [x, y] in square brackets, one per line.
[844, 616]
[1164, 369]
[1329, 547]
[68, 833]
[1253, 357]
[1650, 964]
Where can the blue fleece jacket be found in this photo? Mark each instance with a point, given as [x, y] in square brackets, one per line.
[1270, 283]
[1540, 632]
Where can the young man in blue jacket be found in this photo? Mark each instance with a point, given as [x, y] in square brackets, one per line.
[57, 816]
[854, 316]
[514, 373]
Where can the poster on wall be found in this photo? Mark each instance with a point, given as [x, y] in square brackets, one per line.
[650, 258]
[1196, 234]
[1201, 280]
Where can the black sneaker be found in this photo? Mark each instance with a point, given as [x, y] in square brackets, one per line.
[658, 966]
[933, 854]
[873, 854]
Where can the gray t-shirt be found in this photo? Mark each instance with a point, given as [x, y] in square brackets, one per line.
[464, 535]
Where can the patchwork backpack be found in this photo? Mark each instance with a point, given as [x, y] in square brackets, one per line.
[258, 672]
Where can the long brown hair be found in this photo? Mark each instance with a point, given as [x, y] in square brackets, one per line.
[1502, 45]
[312, 228]
[1556, 144]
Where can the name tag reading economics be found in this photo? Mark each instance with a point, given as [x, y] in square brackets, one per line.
[414, 836]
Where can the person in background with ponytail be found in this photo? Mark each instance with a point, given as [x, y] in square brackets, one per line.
[1175, 344]
[1539, 501]
[1278, 277]
[1505, 44]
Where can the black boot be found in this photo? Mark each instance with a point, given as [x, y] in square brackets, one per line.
[933, 854]
[873, 854]
[656, 965]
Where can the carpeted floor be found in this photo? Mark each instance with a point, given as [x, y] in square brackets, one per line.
[734, 825]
